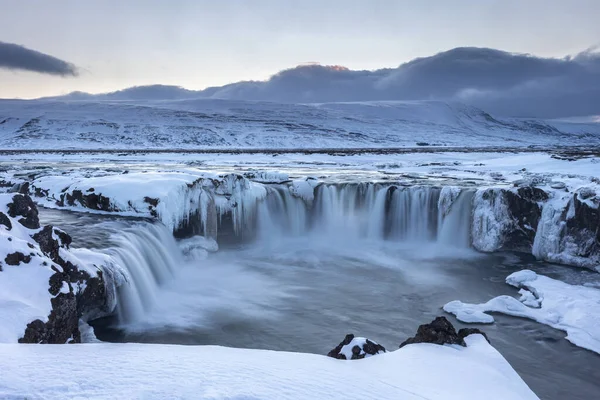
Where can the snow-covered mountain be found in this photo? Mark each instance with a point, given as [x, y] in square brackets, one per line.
[209, 123]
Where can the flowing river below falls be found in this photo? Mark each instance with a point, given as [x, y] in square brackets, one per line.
[305, 294]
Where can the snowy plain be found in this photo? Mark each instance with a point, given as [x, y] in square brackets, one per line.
[207, 123]
[127, 371]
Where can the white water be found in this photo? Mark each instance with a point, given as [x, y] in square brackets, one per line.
[341, 216]
[151, 256]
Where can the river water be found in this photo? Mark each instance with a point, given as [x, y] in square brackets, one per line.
[305, 293]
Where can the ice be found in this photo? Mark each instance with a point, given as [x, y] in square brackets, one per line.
[490, 220]
[103, 370]
[570, 308]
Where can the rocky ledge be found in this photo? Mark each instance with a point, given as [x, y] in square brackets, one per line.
[47, 287]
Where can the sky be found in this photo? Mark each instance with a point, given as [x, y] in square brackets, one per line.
[200, 43]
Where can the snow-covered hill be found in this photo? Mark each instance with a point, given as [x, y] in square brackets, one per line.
[207, 123]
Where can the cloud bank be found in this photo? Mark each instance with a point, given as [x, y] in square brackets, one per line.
[16, 57]
[502, 83]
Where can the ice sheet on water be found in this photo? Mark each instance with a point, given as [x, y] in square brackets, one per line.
[570, 308]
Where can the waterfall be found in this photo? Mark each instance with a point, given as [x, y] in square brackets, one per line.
[150, 255]
[371, 211]
[455, 225]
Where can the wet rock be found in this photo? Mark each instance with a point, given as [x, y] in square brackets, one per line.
[355, 347]
[582, 233]
[558, 185]
[16, 258]
[524, 213]
[439, 331]
[23, 206]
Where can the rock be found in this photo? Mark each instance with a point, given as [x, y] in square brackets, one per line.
[582, 233]
[439, 331]
[91, 200]
[17, 258]
[464, 332]
[355, 347]
[4, 220]
[48, 244]
[23, 206]
[62, 325]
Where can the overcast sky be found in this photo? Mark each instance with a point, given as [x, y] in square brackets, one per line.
[198, 43]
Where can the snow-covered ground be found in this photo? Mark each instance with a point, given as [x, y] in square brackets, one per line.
[127, 371]
[570, 308]
[205, 123]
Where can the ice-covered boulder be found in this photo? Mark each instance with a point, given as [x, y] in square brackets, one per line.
[569, 230]
[441, 331]
[46, 287]
[356, 348]
[506, 219]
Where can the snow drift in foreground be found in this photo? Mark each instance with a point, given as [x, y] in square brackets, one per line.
[570, 308]
[418, 371]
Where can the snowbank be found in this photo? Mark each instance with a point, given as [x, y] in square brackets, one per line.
[570, 308]
[419, 371]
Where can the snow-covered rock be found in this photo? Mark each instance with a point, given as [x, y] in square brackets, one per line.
[570, 308]
[45, 286]
[569, 230]
[356, 348]
[506, 219]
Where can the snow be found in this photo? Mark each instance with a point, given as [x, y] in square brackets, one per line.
[570, 308]
[102, 370]
[346, 350]
[44, 124]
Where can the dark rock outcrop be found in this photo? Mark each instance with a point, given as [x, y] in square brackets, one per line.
[439, 331]
[88, 200]
[362, 348]
[583, 225]
[524, 213]
[23, 206]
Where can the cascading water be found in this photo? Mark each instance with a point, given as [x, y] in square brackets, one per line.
[345, 212]
[368, 211]
[455, 225]
[150, 256]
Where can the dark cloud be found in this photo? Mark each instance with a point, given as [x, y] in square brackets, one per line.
[16, 57]
[499, 82]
